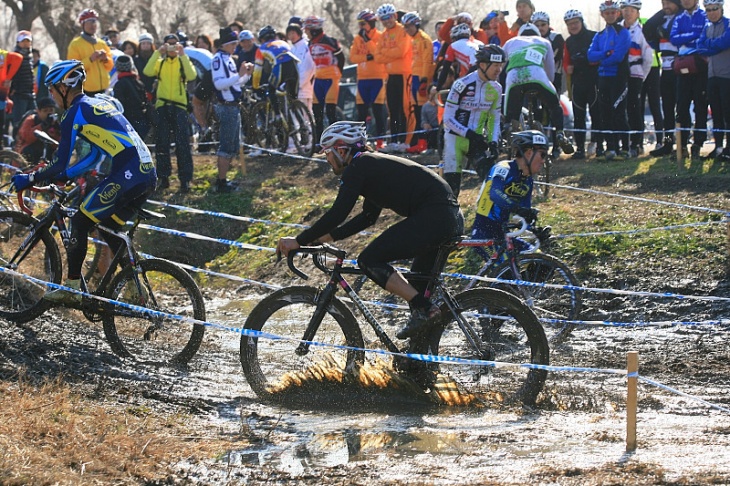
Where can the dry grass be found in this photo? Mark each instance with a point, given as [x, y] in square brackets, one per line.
[49, 435]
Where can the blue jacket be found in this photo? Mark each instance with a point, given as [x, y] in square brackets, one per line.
[610, 49]
[687, 29]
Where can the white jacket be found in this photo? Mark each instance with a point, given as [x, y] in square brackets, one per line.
[306, 69]
[641, 54]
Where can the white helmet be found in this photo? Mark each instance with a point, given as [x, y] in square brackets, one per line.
[411, 18]
[460, 31]
[631, 3]
[313, 22]
[464, 18]
[609, 5]
[385, 10]
[529, 29]
[572, 14]
[343, 134]
[714, 2]
[540, 17]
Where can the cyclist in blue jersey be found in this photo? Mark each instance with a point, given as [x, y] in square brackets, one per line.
[131, 176]
[275, 65]
[508, 189]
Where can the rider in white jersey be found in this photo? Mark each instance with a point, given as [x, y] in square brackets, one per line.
[531, 67]
[460, 54]
[472, 114]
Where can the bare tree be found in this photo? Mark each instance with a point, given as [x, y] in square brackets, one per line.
[342, 13]
[24, 11]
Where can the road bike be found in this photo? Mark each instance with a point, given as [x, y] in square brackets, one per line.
[478, 324]
[275, 128]
[555, 297]
[147, 289]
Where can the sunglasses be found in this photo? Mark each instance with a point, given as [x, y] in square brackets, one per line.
[386, 17]
[713, 9]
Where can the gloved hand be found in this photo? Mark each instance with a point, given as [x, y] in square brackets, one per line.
[364, 35]
[530, 214]
[20, 181]
[477, 143]
[493, 149]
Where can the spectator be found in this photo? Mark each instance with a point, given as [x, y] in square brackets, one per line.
[640, 58]
[430, 120]
[463, 18]
[656, 32]
[93, 52]
[525, 9]
[21, 86]
[9, 64]
[146, 49]
[692, 79]
[130, 92]
[583, 78]
[715, 43]
[422, 69]
[228, 82]
[44, 119]
[236, 26]
[203, 41]
[112, 35]
[490, 26]
[247, 48]
[371, 75]
[438, 41]
[172, 68]
[129, 47]
[329, 61]
[395, 51]
[542, 22]
[610, 49]
[275, 66]
[40, 69]
[305, 66]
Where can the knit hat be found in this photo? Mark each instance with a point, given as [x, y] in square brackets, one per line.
[124, 64]
[146, 37]
[227, 35]
[171, 37]
[46, 103]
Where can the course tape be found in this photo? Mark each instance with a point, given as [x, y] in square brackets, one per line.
[685, 395]
[419, 357]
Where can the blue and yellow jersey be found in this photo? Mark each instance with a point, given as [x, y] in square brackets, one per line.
[108, 133]
[505, 190]
[269, 56]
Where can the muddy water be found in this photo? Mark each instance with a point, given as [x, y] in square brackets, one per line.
[578, 426]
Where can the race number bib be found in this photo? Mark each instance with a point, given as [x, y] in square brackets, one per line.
[534, 56]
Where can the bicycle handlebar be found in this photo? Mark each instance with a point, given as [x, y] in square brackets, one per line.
[52, 188]
[316, 252]
[523, 226]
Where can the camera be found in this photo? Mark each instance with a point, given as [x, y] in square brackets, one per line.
[505, 12]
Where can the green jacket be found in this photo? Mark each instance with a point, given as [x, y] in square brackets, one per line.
[172, 74]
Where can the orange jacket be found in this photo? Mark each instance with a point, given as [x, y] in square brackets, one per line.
[445, 32]
[9, 64]
[358, 55]
[423, 66]
[395, 50]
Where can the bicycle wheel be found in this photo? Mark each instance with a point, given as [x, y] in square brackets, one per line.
[267, 131]
[149, 336]
[301, 128]
[506, 331]
[10, 160]
[20, 299]
[267, 361]
[546, 302]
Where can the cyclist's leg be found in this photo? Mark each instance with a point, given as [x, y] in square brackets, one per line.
[455, 152]
[331, 99]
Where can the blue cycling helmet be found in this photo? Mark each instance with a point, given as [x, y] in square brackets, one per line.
[70, 73]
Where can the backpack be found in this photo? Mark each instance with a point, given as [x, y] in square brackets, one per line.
[205, 89]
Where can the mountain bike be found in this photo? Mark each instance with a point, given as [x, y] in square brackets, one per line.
[556, 304]
[274, 128]
[478, 324]
[146, 288]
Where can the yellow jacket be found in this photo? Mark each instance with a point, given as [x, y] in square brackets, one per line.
[359, 55]
[395, 50]
[171, 87]
[97, 72]
[423, 65]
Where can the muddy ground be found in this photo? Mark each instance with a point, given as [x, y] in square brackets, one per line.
[575, 436]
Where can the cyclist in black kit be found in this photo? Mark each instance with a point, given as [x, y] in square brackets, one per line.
[431, 212]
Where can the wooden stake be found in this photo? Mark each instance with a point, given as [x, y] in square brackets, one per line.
[632, 366]
[680, 145]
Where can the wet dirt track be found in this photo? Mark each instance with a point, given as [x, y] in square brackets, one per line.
[575, 436]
